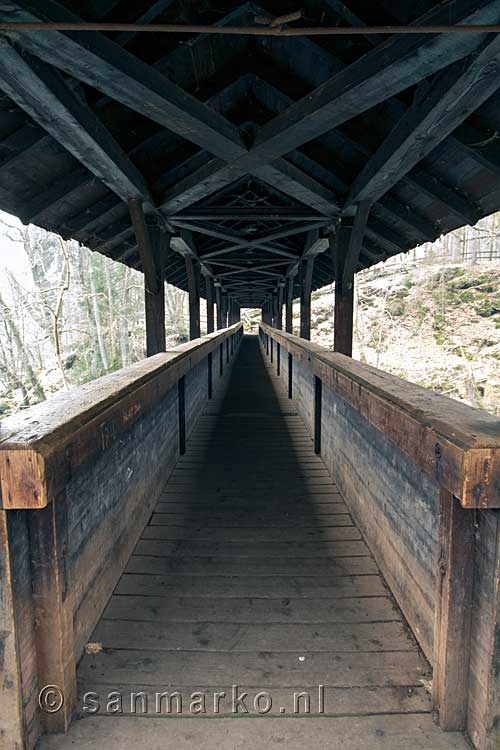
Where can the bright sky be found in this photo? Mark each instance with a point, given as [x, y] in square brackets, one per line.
[12, 255]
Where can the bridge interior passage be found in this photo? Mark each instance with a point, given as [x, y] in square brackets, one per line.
[258, 510]
[249, 586]
[250, 514]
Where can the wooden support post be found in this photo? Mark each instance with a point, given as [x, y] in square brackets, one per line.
[155, 301]
[218, 306]
[210, 303]
[153, 245]
[289, 304]
[305, 297]
[224, 301]
[279, 307]
[53, 611]
[274, 309]
[193, 274]
[12, 722]
[346, 247]
[452, 620]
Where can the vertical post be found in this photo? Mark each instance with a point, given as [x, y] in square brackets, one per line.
[210, 303]
[452, 621]
[210, 374]
[317, 414]
[305, 297]
[279, 309]
[155, 301]
[274, 309]
[278, 359]
[224, 303]
[152, 244]
[218, 305]
[182, 415]
[56, 663]
[12, 710]
[193, 276]
[289, 304]
[290, 376]
[346, 249]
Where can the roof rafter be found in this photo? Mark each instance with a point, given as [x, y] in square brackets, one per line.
[41, 92]
[457, 92]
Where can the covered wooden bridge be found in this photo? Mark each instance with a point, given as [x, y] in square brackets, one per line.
[249, 526]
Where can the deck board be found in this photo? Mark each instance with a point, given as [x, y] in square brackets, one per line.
[251, 572]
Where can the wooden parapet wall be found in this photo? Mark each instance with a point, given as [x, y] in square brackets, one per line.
[421, 474]
[80, 475]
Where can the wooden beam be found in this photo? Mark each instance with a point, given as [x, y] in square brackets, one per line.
[355, 243]
[148, 16]
[43, 94]
[452, 97]
[377, 76]
[12, 710]
[420, 180]
[344, 291]
[289, 303]
[96, 60]
[218, 306]
[279, 306]
[345, 14]
[155, 302]
[452, 622]
[304, 121]
[210, 303]
[307, 268]
[281, 213]
[192, 272]
[144, 245]
[53, 609]
[385, 71]
[263, 242]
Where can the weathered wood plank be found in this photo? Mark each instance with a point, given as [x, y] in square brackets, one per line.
[251, 550]
[237, 638]
[350, 732]
[308, 587]
[453, 613]
[268, 669]
[39, 448]
[355, 702]
[457, 445]
[176, 565]
[279, 610]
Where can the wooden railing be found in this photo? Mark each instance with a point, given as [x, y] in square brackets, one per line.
[421, 474]
[80, 475]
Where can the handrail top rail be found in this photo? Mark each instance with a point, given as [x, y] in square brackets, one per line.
[456, 443]
[45, 432]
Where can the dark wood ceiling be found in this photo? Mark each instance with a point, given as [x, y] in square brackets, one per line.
[249, 149]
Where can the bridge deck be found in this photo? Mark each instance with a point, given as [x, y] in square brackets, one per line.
[252, 573]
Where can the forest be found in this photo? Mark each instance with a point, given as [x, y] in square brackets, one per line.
[75, 316]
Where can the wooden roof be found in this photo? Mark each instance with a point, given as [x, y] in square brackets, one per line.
[249, 148]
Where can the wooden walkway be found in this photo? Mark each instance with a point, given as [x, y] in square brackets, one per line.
[252, 574]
